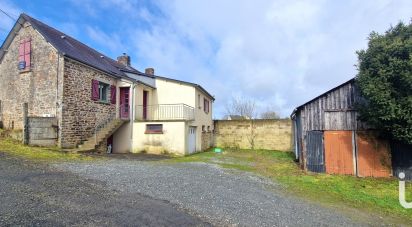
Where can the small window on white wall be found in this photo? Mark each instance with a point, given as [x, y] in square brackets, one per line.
[199, 103]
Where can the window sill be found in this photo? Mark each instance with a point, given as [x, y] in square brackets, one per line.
[104, 102]
[24, 71]
[153, 132]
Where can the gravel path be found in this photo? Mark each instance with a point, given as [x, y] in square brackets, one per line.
[31, 194]
[221, 196]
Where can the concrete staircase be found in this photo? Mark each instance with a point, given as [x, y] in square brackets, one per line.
[101, 135]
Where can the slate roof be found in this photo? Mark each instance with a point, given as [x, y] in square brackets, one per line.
[74, 49]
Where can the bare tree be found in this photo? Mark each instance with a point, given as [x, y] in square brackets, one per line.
[246, 108]
[241, 106]
[269, 115]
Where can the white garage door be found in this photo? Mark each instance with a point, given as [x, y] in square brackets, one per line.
[192, 139]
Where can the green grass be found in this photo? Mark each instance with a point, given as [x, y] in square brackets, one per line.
[375, 195]
[15, 148]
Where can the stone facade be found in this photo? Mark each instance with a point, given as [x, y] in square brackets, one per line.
[80, 113]
[54, 86]
[207, 140]
[38, 86]
[266, 134]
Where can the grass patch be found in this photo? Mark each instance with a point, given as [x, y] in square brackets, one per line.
[16, 148]
[371, 194]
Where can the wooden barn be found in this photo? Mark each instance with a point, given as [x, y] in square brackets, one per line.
[329, 138]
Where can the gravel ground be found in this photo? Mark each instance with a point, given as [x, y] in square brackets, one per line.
[220, 196]
[32, 194]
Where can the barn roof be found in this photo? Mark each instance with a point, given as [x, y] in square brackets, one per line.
[321, 95]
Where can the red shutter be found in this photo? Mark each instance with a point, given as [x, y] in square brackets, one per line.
[21, 51]
[113, 94]
[27, 52]
[95, 90]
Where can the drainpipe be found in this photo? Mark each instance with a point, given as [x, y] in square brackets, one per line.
[132, 115]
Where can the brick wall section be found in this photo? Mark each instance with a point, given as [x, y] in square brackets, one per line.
[80, 113]
[207, 140]
[270, 134]
[37, 87]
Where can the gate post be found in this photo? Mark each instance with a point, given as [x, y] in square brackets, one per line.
[25, 123]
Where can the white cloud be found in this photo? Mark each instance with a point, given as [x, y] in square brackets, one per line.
[281, 53]
[112, 42]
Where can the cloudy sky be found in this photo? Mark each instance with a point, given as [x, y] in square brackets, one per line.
[279, 53]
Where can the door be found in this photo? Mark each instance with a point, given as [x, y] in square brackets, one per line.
[145, 101]
[192, 140]
[373, 155]
[124, 103]
[314, 152]
[339, 152]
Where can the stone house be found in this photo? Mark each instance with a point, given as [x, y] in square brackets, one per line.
[98, 102]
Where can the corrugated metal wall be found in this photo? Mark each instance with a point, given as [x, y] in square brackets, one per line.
[339, 152]
[315, 160]
[373, 155]
[402, 159]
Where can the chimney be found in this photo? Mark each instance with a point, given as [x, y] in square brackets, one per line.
[124, 59]
[149, 71]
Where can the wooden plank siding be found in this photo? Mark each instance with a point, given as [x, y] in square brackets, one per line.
[333, 110]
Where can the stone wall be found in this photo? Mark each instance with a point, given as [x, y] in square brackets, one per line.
[265, 134]
[80, 113]
[37, 86]
[207, 140]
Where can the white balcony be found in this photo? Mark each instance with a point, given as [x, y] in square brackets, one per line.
[165, 112]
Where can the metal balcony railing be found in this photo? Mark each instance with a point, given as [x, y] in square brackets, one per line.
[165, 112]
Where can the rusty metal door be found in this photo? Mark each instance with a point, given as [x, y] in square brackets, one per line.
[314, 152]
[339, 152]
[373, 155]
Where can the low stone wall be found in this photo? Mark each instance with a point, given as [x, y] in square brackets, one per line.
[42, 131]
[257, 134]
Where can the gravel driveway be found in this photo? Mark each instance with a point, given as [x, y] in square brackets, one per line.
[219, 196]
[32, 194]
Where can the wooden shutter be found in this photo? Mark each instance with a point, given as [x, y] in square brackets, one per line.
[27, 53]
[95, 90]
[113, 94]
[21, 51]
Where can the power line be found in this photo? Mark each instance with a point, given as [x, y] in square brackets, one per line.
[8, 15]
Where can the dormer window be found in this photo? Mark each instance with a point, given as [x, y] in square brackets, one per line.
[25, 54]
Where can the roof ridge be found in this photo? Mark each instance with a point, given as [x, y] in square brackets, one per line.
[77, 50]
[68, 36]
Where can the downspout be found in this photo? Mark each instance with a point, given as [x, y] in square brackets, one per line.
[132, 115]
[57, 83]
[57, 101]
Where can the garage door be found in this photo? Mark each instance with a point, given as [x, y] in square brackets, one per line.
[338, 152]
[192, 139]
[373, 156]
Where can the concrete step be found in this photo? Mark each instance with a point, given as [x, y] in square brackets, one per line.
[103, 134]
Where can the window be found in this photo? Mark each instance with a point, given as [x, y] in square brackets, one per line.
[25, 54]
[208, 128]
[206, 105]
[199, 102]
[154, 129]
[203, 128]
[103, 89]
